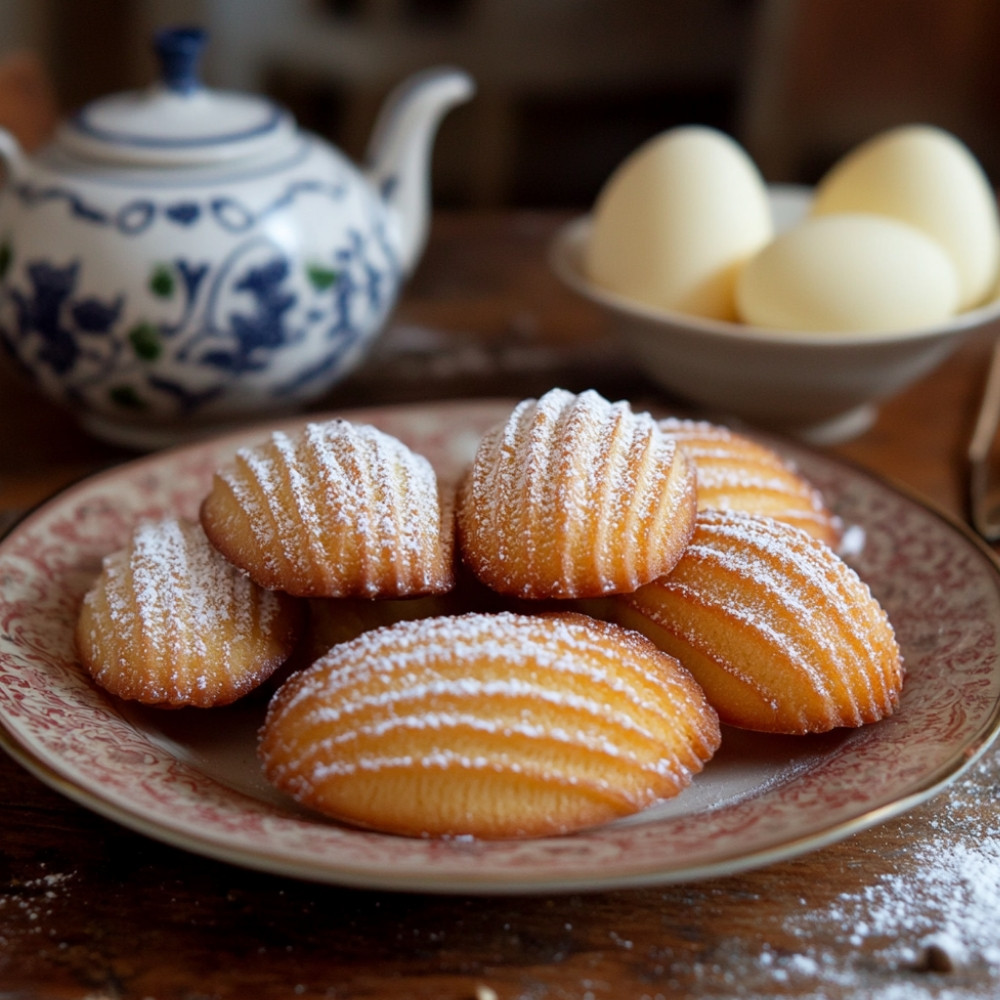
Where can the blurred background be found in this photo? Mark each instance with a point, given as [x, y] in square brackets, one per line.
[566, 87]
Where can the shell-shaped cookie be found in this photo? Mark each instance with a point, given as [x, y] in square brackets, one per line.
[574, 496]
[780, 632]
[170, 622]
[336, 509]
[736, 472]
[488, 725]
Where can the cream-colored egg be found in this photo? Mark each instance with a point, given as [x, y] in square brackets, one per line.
[925, 176]
[849, 273]
[677, 219]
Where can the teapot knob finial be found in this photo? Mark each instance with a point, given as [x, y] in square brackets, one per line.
[179, 50]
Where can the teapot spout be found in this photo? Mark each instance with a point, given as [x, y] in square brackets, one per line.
[399, 152]
[12, 157]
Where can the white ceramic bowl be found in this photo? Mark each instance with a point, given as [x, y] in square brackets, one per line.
[824, 387]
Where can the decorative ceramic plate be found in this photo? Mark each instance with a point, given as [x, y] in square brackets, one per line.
[190, 777]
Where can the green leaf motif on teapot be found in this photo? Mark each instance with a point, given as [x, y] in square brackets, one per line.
[321, 277]
[134, 354]
[146, 341]
[162, 282]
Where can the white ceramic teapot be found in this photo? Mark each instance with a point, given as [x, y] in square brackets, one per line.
[180, 258]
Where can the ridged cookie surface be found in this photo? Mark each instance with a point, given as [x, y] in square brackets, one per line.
[780, 632]
[170, 622]
[574, 496]
[335, 510]
[488, 725]
[737, 473]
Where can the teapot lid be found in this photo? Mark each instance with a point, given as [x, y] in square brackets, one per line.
[177, 121]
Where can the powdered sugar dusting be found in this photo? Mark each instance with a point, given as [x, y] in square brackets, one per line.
[736, 472]
[335, 509]
[28, 908]
[170, 620]
[575, 496]
[797, 579]
[786, 611]
[555, 643]
[176, 589]
[925, 925]
[562, 697]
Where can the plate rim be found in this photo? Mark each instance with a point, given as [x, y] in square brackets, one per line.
[410, 880]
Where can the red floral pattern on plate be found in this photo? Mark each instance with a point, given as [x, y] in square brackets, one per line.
[186, 778]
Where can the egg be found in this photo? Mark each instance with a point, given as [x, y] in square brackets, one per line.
[849, 273]
[674, 223]
[926, 177]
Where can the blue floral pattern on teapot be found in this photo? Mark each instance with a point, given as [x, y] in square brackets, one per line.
[144, 293]
[117, 350]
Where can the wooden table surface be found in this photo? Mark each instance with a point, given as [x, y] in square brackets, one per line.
[91, 910]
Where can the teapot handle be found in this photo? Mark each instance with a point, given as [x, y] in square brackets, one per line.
[11, 155]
